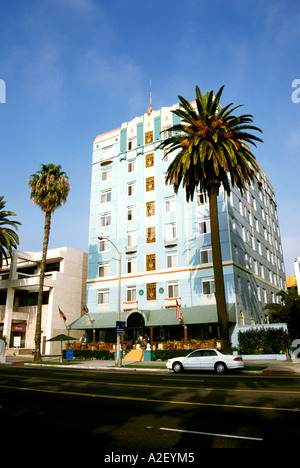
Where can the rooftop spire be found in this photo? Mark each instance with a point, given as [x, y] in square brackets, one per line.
[149, 110]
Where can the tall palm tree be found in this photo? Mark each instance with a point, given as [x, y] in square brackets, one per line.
[212, 150]
[49, 190]
[8, 237]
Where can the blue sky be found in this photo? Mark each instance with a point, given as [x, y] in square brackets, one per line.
[76, 68]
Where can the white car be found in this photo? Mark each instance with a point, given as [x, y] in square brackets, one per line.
[206, 359]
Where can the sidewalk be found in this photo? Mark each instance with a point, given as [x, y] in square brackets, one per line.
[271, 366]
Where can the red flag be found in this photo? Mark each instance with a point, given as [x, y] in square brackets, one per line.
[178, 311]
[62, 314]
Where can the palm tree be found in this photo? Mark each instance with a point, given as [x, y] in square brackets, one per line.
[212, 150]
[8, 237]
[49, 190]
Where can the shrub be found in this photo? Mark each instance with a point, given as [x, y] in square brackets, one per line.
[164, 355]
[91, 354]
[263, 341]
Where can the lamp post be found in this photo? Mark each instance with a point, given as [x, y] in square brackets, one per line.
[118, 360]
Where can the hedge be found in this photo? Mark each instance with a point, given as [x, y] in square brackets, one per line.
[263, 341]
[164, 355]
[91, 354]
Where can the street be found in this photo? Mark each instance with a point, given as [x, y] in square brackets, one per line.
[128, 410]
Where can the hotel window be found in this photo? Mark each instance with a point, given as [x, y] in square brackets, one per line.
[106, 196]
[106, 174]
[131, 213]
[151, 292]
[105, 219]
[131, 293]
[150, 262]
[103, 269]
[150, 208]
[258, 293]
[103, 297]
[171, 259]
[204, 226]
[206, 255]
[131, 239]
[131, 189]
[166, 133]
[242, 318]
[201, 198]
[167, 183]
[107, 153]
[170, 231]
[208, 286]
[104, 245]
[150, 185]
[131, 165]
[132, 143]
[173, 289]
[170, 204]
[131, 265]
[151, 235]
[264, 295]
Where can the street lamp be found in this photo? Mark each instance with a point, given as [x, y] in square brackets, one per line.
[118, 360]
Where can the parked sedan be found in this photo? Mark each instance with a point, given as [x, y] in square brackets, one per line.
[206, 359]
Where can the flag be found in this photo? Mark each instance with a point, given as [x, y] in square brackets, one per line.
[62, 314]
[178, 311]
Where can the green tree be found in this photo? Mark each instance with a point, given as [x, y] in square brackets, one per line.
[287, 310]
[8, 237]
[49, 190]
[212, 150]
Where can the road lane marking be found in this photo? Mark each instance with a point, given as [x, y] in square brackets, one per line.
[229, 436]
[149, 386]
[150, 400]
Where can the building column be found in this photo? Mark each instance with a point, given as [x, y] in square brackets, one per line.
[8, 314]
[185, 335]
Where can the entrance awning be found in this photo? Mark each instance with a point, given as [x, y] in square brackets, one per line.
[96, 321]
[154, 318]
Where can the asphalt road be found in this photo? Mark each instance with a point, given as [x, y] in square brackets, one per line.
[157, 413]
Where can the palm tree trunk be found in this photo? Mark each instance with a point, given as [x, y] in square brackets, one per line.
[38, 327]
[218, 268]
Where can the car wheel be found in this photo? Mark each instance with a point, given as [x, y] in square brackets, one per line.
[177, 367]
[220, 368]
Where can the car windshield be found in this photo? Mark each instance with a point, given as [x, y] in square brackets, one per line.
[223, 352]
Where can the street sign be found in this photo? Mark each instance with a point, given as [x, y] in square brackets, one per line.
[120, 328]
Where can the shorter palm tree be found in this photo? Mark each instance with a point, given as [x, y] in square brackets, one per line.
[9, 239]
[287, 310]
[49, 190]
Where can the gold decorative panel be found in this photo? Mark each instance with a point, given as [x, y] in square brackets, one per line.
[151, 292]
[150, 262]
[149, 160]
[149, 137]
[151, 235]
[150, 208]
[150, 184]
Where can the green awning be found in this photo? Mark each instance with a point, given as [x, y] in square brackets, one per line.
[154, 318]
[96, 320]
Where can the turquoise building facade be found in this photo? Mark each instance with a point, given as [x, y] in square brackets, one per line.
[165, 244]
